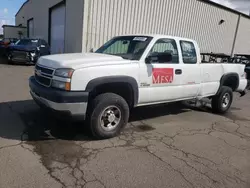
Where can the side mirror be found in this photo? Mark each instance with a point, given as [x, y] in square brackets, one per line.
[92, 50]
[159, 58]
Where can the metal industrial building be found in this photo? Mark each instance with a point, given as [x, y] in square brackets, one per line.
[79, 25]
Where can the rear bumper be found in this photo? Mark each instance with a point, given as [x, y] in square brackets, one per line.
[63, 104]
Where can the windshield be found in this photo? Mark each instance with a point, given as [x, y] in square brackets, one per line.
[127, 47]
[27, 42]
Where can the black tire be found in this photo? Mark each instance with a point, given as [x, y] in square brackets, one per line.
[218, 102]
[98, 106]
[248, 84]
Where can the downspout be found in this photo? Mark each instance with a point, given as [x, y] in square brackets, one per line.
[235, 35]
[86, 17]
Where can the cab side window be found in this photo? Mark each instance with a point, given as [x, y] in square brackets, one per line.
[166, 46]
[188, 52]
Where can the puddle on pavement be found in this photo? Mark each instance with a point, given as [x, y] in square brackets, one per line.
[142, 128]
[57, 150]
[234, 108]
[234, 117]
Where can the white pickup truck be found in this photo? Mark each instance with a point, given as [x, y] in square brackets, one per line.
[131, 71]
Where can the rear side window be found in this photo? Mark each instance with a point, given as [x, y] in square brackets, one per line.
[188, 52]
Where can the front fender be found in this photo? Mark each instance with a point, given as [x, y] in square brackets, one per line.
[115, 79]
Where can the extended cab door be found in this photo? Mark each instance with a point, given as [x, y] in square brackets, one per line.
[190, 66]
[161, 80]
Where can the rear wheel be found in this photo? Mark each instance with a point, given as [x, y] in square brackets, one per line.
[109, 113]
[222, 102]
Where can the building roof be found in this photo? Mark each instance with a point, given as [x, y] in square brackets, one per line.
[13, 26]
[22, 6]
[205, 1]
[224, 7]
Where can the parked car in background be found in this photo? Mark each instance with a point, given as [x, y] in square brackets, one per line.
[27, 51]
[4, 44]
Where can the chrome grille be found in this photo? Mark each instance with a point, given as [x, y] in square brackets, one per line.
[43, 75]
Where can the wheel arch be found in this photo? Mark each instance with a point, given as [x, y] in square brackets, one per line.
[231, 80]
[119, 81]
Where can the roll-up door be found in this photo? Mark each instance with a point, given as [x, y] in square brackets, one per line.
[57, 25]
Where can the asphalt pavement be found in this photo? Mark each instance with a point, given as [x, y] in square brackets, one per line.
[170, 146]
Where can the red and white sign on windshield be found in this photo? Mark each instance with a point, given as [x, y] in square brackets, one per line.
[163, 75]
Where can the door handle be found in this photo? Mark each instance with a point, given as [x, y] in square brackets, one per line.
[178, 71]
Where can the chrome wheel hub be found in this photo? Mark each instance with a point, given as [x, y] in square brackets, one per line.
[226, 100]
[110, 118]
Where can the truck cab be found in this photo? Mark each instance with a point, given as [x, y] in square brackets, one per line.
[130, 71]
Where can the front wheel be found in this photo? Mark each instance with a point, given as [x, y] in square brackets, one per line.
[222, 102]
[109, 113]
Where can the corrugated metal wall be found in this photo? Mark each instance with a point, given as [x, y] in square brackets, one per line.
[242, 44]
[186, 18]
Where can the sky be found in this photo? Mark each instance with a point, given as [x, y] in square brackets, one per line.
[240, 5]
[8, 9]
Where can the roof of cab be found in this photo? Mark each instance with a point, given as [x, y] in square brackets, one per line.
[158, 36]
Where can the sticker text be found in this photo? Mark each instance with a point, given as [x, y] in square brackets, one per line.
[163, 75]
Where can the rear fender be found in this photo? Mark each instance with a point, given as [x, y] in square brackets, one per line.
[226, 77]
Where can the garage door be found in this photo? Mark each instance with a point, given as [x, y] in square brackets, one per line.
[57, 24]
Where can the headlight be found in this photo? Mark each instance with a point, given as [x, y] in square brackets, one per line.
[32, 54]
[61, 85]
[65, 73]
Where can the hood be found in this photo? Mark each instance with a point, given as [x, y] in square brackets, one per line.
[80, 60]
[26, 48]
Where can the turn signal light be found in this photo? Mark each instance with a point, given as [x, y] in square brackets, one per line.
[67, 86]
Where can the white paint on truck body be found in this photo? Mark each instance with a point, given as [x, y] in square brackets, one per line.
[196, 80]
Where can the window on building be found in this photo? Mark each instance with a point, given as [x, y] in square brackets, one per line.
[188, 52]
